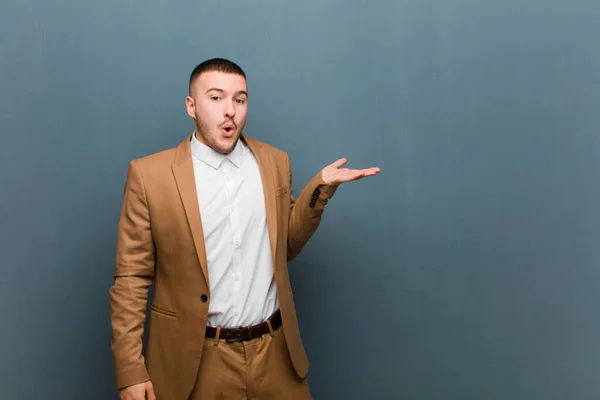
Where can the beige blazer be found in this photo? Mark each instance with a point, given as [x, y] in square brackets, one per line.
[160, 240]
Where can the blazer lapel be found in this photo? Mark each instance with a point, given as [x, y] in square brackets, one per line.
[183, 170]
[265, 165]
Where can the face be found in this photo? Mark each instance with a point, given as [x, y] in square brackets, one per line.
[218, 105]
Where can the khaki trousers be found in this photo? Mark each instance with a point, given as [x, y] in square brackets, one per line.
[257, 369]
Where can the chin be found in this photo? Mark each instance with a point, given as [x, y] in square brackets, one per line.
[227, 147]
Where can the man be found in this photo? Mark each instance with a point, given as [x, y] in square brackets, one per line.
[212, 223]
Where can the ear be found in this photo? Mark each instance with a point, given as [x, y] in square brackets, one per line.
[190, 106]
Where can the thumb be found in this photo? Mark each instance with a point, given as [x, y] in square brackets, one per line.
[150, 393]
[339, 163]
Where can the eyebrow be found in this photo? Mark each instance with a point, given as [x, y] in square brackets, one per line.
[222, 91]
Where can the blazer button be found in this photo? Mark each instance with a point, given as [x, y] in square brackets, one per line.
[204, 298]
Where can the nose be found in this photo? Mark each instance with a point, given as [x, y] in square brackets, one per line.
[229, 109]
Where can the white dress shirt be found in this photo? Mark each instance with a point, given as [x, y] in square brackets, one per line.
[233, 213]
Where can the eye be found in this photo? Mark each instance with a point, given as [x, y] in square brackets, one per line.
[240, 101]
[214, 98]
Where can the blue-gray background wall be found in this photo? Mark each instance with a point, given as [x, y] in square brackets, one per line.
[468, 269]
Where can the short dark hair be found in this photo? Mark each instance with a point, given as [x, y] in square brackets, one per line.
[216, 64]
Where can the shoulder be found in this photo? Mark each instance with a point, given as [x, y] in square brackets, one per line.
[276, 154]
[164, 157]
[157, 166]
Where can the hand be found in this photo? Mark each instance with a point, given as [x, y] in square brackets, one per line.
[140, 391]
[333, 175]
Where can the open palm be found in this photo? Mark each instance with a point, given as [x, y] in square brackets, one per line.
[333, 174]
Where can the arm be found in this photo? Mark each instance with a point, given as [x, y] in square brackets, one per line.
[306, 211]
[133, 276]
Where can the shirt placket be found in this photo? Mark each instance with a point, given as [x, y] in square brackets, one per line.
[236, 239]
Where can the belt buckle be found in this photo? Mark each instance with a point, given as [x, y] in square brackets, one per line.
[239, 338]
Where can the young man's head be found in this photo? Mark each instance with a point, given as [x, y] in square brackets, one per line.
[218, 103]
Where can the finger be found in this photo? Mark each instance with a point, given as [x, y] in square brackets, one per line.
[371, 171]
[358, 172]
[354, 175]
[151, 395]
[350, 175]
[339, 163]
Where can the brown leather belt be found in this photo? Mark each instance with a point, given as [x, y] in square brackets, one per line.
[245, 333]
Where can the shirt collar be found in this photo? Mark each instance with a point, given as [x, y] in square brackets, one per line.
[212, 158]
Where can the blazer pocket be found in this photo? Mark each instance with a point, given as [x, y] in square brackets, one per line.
[281, 191]
[162, 311]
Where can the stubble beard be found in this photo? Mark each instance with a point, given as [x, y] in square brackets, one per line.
[203, 131]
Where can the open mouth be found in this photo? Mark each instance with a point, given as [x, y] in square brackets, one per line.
[227, 129]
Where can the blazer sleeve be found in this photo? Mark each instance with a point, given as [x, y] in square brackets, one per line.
[134, 273]
[306, 211]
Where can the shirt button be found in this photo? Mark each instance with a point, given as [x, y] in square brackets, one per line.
[227, 177]
[237, 243]
[204, 298]
[232, 208]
